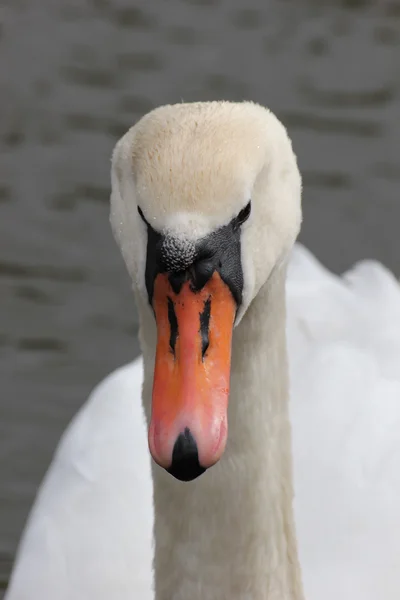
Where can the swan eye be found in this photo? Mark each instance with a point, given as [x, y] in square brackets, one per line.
[142, 215]
[244, 214]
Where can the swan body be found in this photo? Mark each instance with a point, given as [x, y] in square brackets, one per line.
[90, 533]
[74, 547]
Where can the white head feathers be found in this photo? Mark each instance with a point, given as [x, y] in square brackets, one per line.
[192, 168]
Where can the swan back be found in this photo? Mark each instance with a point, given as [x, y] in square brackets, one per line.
[344, 351]
[89, 534]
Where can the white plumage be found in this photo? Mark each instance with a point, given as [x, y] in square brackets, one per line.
[89, 536]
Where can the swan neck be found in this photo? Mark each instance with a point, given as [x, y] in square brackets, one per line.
[230, 534]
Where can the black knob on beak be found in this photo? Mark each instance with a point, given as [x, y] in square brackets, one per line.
[185, 458]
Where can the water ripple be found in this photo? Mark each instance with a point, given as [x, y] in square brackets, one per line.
[42, 344]
[327, 124]
[54, 273]
[380, 96]
[248, 18]
[139, 61]
[5, 193]
[333, 180]
[133, 18]
[99, 78]
[33, 294]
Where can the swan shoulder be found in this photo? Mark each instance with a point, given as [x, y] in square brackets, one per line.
[344, 351]
[90, 532]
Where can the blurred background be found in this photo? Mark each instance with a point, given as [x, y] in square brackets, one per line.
[74, 75]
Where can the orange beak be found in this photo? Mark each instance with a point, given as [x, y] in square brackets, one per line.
[188, 428]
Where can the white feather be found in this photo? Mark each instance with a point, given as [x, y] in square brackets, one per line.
[90, 533]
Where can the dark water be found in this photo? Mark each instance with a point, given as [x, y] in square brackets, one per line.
[74, 76]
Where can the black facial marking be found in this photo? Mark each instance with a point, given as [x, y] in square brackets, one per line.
[244, 214]
[154, 241]
[220, 251]
[204, 326]
[173, 323]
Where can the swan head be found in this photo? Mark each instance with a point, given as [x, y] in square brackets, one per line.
[205, 203]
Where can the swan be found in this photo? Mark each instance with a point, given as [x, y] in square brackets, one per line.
[206, 208]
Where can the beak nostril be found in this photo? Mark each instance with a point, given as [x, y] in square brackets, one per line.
[185, 458]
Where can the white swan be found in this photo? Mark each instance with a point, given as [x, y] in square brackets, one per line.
[192, 169]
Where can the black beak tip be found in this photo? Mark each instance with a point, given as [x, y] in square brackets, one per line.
[185, 464]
